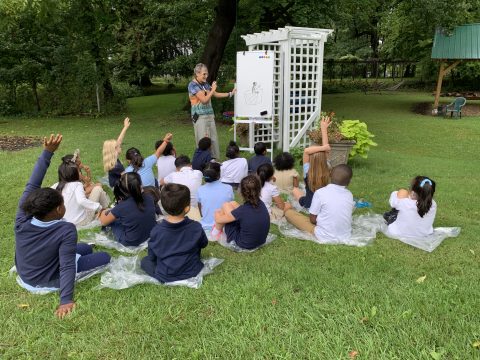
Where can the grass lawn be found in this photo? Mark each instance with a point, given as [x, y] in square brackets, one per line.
[292, 299]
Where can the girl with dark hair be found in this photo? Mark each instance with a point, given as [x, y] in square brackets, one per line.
[235, 168]
[286, 177]
[212, 195]
[270, 192]
[166, 161]
[144, 166]
[47, 255]
[246, 224]
[416, 209]
[79, 209]
[134, 216]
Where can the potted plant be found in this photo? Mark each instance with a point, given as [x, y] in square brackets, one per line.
[347, 138]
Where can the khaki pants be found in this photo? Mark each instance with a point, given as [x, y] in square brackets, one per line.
[99, 195]
[300, 221]
[205, 127]
[194, 214]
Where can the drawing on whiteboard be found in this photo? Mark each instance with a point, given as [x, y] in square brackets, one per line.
[253, 96]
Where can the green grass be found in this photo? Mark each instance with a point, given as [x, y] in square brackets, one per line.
[293, 299]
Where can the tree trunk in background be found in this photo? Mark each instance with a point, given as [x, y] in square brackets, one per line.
[226, 11]
[35, 94]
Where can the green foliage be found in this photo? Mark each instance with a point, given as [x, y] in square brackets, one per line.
[357, 130]
[297, 153]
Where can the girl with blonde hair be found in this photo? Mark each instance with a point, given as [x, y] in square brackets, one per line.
[111, 150]
[315, 167]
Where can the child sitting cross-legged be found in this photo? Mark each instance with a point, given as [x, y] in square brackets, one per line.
[270, 192]
[235, 168]
[133, 217]
[331, 209]
[286, 177]
[212, 195]
[259, 158]
[175, 243]
[46, 251]
[192, 179]
[202, 155]
[246, 224]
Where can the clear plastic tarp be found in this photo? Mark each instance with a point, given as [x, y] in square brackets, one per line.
[124, 272]
[431, 242]
[234, 247]
[107, 241]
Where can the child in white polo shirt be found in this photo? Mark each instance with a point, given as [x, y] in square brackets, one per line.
[235, 168]
[192, 179]
[331, 209]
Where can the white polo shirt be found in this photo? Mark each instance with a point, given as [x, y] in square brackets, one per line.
[409, 223]
[165, 166]
[188, 177]
[333, 205]
[268, 191]
[233, 170]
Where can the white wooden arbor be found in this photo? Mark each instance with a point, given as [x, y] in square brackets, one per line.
[297, 88]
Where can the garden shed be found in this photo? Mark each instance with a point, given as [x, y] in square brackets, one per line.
[451, 48]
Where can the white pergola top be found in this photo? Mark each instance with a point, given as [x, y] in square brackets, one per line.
[288, 32]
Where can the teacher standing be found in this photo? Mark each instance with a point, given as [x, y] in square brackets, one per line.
[200, 93]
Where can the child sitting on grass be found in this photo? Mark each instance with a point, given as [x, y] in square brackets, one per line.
[46, 251]
[166, 160]
[235, 168]
[144, 166]
[259, 158]
[416, 209]
[80, 210]
[175, 243]
[331, 210]
[286, 177]
[111, 151]
[270, 192]
[133, 217]
[246, 224]
[202, 155]
[192, 179]
[316, 171]
[212, 195]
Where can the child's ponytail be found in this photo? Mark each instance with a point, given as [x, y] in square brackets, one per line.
[136, 159]
[265, 173]
[130, 185]
[424, 188]
[67, 172]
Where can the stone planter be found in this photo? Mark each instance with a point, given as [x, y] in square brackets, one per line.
[340, 151]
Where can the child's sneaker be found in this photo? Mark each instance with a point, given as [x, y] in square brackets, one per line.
[216, 234]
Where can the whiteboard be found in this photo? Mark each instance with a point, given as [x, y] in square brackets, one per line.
[254, 94]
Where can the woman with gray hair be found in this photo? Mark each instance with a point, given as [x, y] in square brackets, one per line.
[200, 93]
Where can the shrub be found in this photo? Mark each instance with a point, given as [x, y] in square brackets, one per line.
[357, 130]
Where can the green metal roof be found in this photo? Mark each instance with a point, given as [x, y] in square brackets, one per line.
[462, 43]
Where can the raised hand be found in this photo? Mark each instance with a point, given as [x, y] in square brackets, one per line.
[168, 137]
[325, 122]
[214, 86]
[52, 143]
[64, 310]
[126, 123]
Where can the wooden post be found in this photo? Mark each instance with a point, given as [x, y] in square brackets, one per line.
[441, 73]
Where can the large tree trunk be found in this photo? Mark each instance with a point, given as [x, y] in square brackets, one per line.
[226, 11]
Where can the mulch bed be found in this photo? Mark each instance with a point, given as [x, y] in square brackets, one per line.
[16, 143]
[425, 108]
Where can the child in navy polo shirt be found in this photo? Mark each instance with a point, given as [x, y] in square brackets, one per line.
[175, 243]
[202, 155]
[259, 159]
[134, 216]
[46, 251]
[246, 224]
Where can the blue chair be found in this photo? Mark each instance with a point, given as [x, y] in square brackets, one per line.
[456, 107]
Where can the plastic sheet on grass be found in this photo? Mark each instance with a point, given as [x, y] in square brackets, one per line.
[84, 275]
[234, 247]
[364, 231]
[91, 225]
[107, 241]
[431, 242]
[125, 272]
